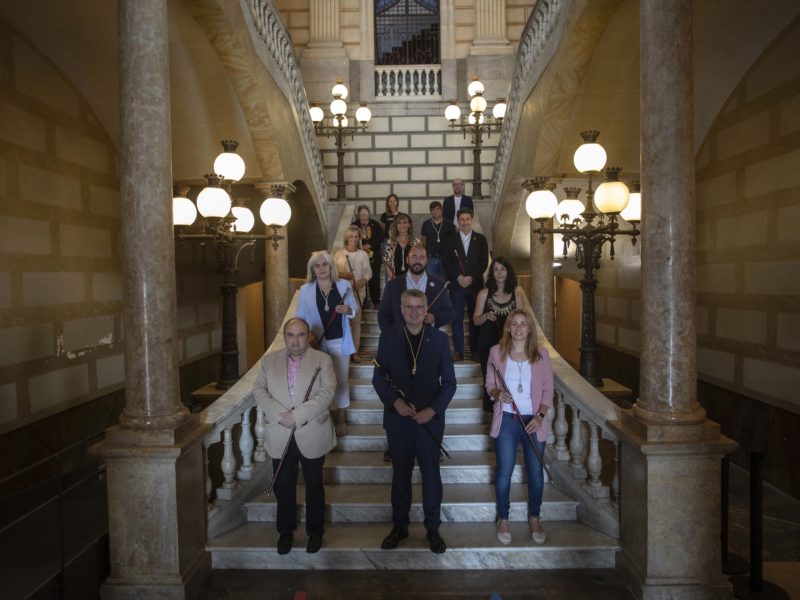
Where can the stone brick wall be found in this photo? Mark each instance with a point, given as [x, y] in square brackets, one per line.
[748, 241]
[60, 265]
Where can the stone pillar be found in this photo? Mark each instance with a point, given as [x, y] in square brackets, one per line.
[276, 268]
[323, 25]
[491, 56]
[541, 292]
[671, 455]
[156, 498]
[324, 59]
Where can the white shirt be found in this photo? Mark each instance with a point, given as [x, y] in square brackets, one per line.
[465, 238]
[457, 205]
[516, 374]
[420, 285]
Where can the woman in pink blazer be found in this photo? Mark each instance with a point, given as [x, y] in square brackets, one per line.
[525, 367]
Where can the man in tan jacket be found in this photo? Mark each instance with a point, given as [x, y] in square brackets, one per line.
[303, 423]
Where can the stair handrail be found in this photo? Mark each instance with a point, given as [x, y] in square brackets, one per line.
[270, 28]
[533, 52]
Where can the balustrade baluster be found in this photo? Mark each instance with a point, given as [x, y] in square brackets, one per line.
[594, 465]
[576, 445]
[561, 428]
[228, 465]
[246, 445]
[550, 416]
[209, 483]
[615, 479]
[261, 428]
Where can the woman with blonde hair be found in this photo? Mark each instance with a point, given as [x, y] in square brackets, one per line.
[401, 239]
[352, 264]
[525, 369]
[326, 303]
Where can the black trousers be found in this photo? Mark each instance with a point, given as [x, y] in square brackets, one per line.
[409, 441]
[374, 284]
[286, 491]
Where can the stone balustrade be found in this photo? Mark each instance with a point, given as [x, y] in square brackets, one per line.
[408, 82]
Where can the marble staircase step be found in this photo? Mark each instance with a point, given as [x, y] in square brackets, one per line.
[372, 438]
[363, 370]
[570, 545]
[369, 467]
[460, 411]
[468, 388]
[369, 503]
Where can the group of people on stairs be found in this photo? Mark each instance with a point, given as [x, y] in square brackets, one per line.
[430, 282]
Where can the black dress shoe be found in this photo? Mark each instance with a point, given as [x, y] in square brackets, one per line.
[314, 544]
[387, 456]
[437, 543]
[285, 543]
[395, 535]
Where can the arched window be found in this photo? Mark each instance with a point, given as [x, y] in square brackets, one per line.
[407, 32]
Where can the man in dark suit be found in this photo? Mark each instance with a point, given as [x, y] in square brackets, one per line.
[466, 257]
[458, 200]
[417, 361]
[440, 307]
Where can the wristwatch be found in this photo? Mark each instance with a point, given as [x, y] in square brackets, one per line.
[540, 414]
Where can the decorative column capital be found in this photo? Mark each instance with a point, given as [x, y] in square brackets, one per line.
[275, 189]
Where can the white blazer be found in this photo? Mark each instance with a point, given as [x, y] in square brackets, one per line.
[307, 310]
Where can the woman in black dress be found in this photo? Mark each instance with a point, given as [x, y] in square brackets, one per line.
[492, 306]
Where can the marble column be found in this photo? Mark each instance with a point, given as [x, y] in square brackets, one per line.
[491, 55]
[324, 59]
[276, 268]
[541, 293]
[155, 477]
[671, 455]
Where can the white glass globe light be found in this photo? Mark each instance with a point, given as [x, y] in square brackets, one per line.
[244, 219]
[230, 165]
[342, 123]
[611, 197]
[363, 114]
[590, 157]
[338, 107]
[541, 204]
[317, 114]
[499, 110]
[475, 87]
[473, 118]
[213, 202]
[339, 90]
[633, 212]
[184, 211]
[452, 112]
[571, 207]
[275, 211]
[477, 104]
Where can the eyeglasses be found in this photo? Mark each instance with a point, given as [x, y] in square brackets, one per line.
[414, 307]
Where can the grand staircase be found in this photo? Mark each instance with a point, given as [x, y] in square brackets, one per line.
[359, 511]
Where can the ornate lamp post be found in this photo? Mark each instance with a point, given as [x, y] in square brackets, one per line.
[476, 123]
[228, 227]
[587, 226]
[339, 128]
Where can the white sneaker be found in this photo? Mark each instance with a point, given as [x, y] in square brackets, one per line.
[537, 532]
[504, 537]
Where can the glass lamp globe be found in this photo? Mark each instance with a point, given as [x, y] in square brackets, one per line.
[342, 123]
[213, 201]
[541, 204]
[244, 219]
[475, 117]
[275, 212]
[611, 197]
[452, 113]
[475, 87]
[477, 104]
[229, 164]
[590, 157]
[339, 90]
[317, 114]
[499, 110]
[184, 211]
[571, 207]
[633, 212]
[363, 114]
[338, 107]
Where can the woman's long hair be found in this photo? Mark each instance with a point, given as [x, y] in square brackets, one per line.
[397, 200]
[327, 257]
[510, 285]
[531, 343]
[393, 228]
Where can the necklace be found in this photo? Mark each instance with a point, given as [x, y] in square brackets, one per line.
[519, 369]
[325, 296]
[438, 230]
[414, 355]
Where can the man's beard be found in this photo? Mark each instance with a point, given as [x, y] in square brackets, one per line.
[417, 269]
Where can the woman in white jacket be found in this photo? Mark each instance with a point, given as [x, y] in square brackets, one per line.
[327, 304]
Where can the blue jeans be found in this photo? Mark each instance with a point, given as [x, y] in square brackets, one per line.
[435, 268]
[506, 442]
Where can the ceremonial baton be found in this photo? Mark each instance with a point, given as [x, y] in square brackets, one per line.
[291, 435]
[357, 295]
[333, 316]
[435, 298]
[521, 422]
[403, 397]
[460, 263]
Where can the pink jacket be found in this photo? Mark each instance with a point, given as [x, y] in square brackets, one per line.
[541, 388]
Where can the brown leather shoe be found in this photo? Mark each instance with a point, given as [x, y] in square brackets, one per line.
[457, 356]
